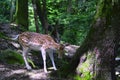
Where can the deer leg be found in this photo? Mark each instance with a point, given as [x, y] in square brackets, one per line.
[25, 52]
[44, 59]
[52, 59]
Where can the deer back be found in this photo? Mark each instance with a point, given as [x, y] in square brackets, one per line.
[28, 39]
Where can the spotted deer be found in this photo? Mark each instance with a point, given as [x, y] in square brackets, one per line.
[41, 42]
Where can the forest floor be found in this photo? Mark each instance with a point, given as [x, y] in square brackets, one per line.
[17, 72]
[14, 71]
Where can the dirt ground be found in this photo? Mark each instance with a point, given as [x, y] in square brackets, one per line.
[16, 72]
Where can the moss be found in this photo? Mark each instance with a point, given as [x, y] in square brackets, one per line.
[85, 68]
[104, 10]
[11, 57]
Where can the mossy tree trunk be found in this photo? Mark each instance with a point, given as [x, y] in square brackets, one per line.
[99, 46]
[21, 15]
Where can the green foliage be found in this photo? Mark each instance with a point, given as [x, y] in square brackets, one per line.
[2, 35]
[4, 10]
[75, 23]
[31, 62]
[31, 18]
[11, 57]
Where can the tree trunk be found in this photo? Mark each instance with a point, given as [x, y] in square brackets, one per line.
[35, 16]
[104, 53]
[21, 15]
[99, 45]
[42, 13]
[12, 9]
[116, 25]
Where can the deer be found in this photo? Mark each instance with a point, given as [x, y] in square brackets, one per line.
[40, 42]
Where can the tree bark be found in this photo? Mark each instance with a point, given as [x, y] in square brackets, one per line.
[12, 9]
[42, 13]
[115, 24]
[35, 16]
[100, 44]
[21, 15]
